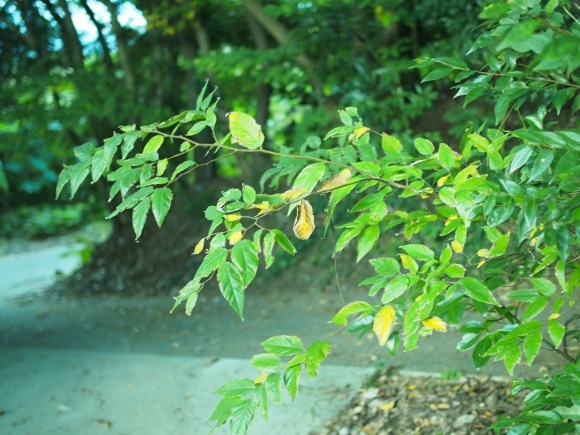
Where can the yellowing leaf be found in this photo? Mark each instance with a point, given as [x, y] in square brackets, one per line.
[383, 324]
[442, 180]
[261, 378]
[483, 253]
[236, 237]
[336, 181]
[553, 316]
[481, 263]
[292, 194]
[304, 222]
[358, 133]
[199, 247]
[233, 217]
[435, 323]
[456, 246]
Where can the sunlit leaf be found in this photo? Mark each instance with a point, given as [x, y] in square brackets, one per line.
[383, 323]
[245, 130]
[435, 323]
[353, 308]
[315, 354]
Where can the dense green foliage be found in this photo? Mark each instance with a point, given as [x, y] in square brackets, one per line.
[503, 202]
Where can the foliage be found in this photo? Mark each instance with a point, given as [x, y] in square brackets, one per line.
[32, 222]
[513, 185]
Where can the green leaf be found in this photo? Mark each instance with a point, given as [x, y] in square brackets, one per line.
[455, 271]
[315, 354]
[446, 156]
[544, 286]
[245, 257]
[267, 247]
[129, 142]
[477, 291]
[283, 241]
[386, 266]
[521, 158]
[513, 358]
[309, 177]
[390, 144]
[245, 130]
[424, 146]
[241, 418]
[478, 356]
[291, 377]
[419, 252]
[524, 295]
[183, 166]
[160, 204]
[534, 308]
[214, 259]
[353, 308]
[395, 288]
[198, 127]
[249, 194]
[543, 162]
[267, 362]
[153, 144]
[556, 331]
[224, 409]
[367, 240]
[437, 74]
[532, 344]
[140, 216]
[283, 345]
[77, 175]
[132, 201]
[512, 188]
[274, 387]
[467, 342]
[236, 387]
[232, 287]
[98, 164]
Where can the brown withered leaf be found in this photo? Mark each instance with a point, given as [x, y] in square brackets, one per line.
[304, 222]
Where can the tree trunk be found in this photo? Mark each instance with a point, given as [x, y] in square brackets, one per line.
[123, 50]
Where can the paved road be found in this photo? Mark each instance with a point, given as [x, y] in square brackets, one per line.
[125, 366]
[35, 271]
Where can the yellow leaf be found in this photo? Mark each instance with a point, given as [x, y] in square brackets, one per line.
[233, 217]
[236, 237]
[387, 406]
[483, 253]
[435, 323]
[442, 180]
[336, 181]
[456, 246]
[261, 378]
[383, 323]
[553, 316]
[199, 247]
[292, 194]
[358, 133]
[263, 206]
[481, 263]
[304, 222]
